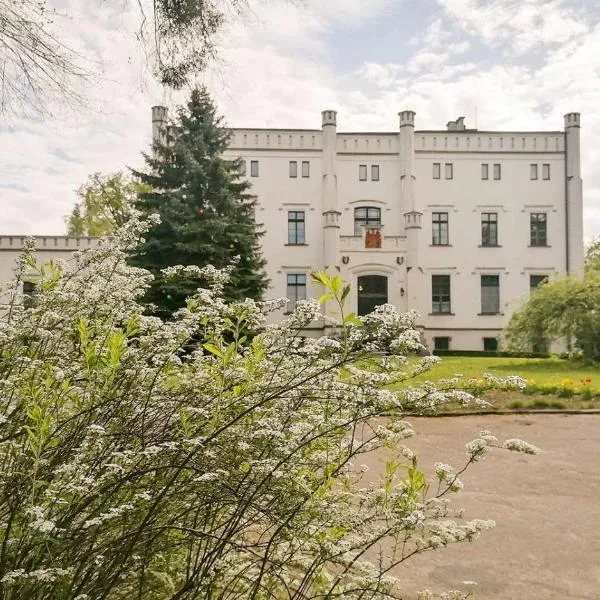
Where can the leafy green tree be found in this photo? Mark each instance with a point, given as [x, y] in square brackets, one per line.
[206, 210]
[567, 309]
[592, 256]
[104, 204]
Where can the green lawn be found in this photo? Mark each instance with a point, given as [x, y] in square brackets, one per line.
[552, 382]
[540, 370]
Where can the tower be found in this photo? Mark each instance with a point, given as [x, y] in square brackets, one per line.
[415, 279]
[331, 214]
[160, 115]
[574, 195]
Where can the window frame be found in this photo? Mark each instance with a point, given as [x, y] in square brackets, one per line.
[296, 232]
[497, 169]
[374, 169]
[441, 295]
[541, 279]
[486, 219]
[486, 340]
[362, 172]
[485, 171]
[437, 225]
[293, 169]
[361, 223]
[242, 169]
[533, 172]
[496, 300]
[254, 171]
[546, 171]
[293, 284]
[437, 171]
[449, 170]
[535, 237]
[441, 346]
[305, 171]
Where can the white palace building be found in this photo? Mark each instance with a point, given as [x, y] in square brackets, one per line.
[458, 224]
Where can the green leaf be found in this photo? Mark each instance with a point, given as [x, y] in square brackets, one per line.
[213, 349]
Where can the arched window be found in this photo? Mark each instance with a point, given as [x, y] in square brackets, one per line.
[366, 216]
[372, 291]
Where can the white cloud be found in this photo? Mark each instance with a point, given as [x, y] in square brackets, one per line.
[277, 70]
[520, 25]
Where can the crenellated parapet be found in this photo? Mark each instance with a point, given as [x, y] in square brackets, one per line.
[52, 243]
[275, 139]
[482, 141]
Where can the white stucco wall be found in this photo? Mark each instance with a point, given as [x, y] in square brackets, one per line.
[407, 195]
[464, 198]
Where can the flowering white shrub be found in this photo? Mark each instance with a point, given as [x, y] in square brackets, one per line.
[194, 459]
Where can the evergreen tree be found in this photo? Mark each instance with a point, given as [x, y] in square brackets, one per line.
[206, 210]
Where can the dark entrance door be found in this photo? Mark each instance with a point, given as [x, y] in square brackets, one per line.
[372, 291]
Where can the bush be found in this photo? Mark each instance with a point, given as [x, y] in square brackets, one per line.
[516, 405]
[539, 403]
[140, 464]
[557, 404]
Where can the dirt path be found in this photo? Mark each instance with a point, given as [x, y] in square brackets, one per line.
[546, 543]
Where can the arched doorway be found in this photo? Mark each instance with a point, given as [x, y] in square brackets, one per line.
[372, 291]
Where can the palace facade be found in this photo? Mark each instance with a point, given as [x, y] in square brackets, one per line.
[458, 224]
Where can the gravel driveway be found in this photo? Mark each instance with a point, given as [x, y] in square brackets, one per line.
[546, 544]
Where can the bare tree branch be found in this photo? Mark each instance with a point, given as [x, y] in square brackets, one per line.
[35, 65]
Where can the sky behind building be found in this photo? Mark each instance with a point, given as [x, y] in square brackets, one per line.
[503, 64]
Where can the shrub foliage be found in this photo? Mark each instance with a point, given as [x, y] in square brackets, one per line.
[134, 467]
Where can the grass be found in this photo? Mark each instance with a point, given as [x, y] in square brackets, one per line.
[553, 383]
[551, 371]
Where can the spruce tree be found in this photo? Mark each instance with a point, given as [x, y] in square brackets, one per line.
[206, 210]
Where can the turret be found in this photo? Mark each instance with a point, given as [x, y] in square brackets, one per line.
[412, 216]
[160, 116]
[331, 214]
[574, 195]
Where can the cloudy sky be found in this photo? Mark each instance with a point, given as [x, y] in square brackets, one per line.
[505, 64]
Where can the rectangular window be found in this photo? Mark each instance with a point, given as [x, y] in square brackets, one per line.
[296, 289]
[489, 229]
[374, 172]
[485, 171]
[490, 344]
[296, 227]
[533, 171]
[490, 294]
[29, 293]
[242, 170]
[449, 171]
[439, 225]
[497, 172]
[365, 217]
[535, 281]
[538, 229]
[305, 168]
[546, 172]
[253, 168]
[362, 172]
[293, 168]
[437, 170]
[440, 294]
[441, 343]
